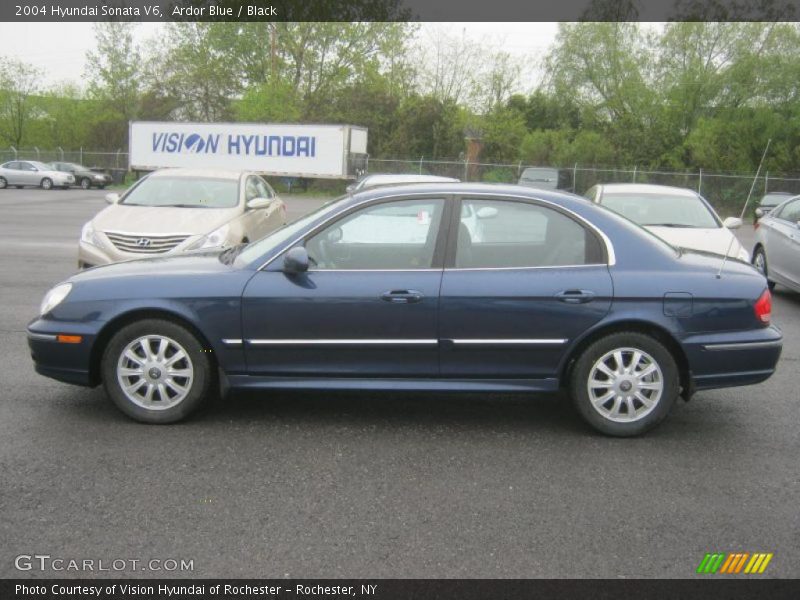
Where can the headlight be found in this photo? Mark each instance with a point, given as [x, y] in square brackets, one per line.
[215, 239]
[99, 176]
[88, 235]
[54, 297]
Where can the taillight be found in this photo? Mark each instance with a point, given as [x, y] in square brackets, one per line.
[763, 307]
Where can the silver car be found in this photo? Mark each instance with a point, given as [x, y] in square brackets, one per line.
[776, 252]
[180, 210]
[21, 173]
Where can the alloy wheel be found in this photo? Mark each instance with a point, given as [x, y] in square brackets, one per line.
[625, 385]
[155, 372]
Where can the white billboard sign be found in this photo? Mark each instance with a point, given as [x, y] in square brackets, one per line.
[275, 149]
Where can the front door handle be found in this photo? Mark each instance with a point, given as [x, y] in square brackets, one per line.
[402, 296]
[576, 296]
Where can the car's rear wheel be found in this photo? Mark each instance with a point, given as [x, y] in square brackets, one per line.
[625, 384]
[156, 371]
[47, 183]
[85, 183]
[760, 263]
[3, 183]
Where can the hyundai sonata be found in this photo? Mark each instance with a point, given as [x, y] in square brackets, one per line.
[424, 287]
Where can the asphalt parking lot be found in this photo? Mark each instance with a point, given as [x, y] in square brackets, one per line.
[377, 485]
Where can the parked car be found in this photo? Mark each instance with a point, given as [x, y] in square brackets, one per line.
[386, 179]
[776, 252]
[768, 202]
[679, 216]
[552, 295]
[179, 210]
[84, 176]
[545, 178]
[21, 173]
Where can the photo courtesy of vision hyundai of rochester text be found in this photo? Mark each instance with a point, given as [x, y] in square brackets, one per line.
[434, 286]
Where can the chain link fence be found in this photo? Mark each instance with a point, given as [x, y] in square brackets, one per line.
[727, 192]
[88, 158]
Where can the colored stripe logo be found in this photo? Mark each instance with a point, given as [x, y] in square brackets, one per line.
[734, 563]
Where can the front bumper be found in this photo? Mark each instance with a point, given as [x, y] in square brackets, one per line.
[105, 253]
[733, 358]
[67, 362]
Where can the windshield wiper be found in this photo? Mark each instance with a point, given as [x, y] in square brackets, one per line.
[671, 225]
[185, 205]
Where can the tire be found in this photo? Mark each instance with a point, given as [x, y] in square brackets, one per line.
[3, 183]
[46, 184]
[179, 394]
[85, 183]
[660, 386]
[760, 263]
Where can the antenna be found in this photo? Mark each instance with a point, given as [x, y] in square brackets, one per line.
[744, 208]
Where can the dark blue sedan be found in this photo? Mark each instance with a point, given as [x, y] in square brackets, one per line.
[420, 287]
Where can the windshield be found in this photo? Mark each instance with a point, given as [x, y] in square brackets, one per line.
[284, 234]
[184, 192]
[662, 210]
[41, 166]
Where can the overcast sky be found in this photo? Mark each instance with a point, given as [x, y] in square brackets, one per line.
[59, 49]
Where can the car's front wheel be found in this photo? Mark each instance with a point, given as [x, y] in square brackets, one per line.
[85, 183]
[760, 263]
[625, 383]
[3, 183]
[47, 183]
[156, 371]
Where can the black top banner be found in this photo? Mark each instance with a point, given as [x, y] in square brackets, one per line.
[394, 589]
[398, 10]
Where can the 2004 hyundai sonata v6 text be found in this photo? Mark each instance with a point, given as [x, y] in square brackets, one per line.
[424, 287]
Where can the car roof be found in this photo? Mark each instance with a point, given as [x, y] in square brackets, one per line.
[389, 178]
[647, 188]
[466, 189]
[200, 173]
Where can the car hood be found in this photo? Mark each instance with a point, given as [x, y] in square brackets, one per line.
[716, 240]
[162, 220]
[164, 266]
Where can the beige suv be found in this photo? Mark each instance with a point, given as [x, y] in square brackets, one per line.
[180, 210]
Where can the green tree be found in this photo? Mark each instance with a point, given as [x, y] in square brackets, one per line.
[19, 82]
[114, 72]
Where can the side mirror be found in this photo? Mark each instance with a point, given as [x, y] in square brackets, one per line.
[296, 260]
[258, 203]
[732, 223]
[112, 198]
[486, 212]
[759, 212]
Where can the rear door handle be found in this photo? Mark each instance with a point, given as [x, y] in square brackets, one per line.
[576, 296]
[402, 296]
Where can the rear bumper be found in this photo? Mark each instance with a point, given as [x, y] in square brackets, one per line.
[733, 358]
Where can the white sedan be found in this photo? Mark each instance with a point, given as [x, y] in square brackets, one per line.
[679, 216]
